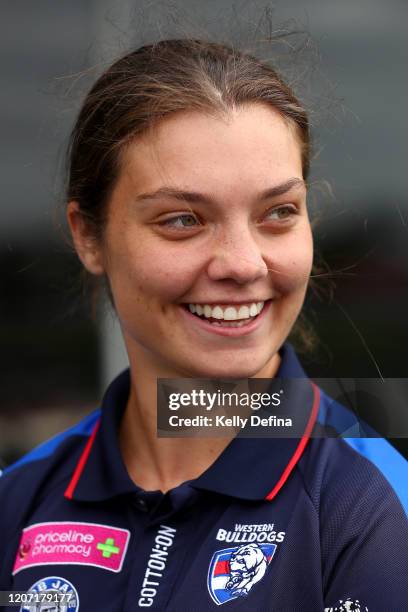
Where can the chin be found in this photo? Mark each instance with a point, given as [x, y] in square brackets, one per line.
[226, 368]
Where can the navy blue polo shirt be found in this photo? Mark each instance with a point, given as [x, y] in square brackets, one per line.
[306, 524]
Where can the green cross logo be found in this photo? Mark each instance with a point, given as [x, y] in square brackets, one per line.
[108, 548]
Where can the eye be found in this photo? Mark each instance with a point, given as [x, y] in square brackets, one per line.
[180, 222]
[282, 213]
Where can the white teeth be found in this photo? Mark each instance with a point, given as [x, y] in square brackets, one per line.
[243, 312]
[253, 310]
[227, 313]
[207, 311]
[217, 313]
[230, 314]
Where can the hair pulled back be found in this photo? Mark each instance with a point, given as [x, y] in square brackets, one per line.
[152, 82]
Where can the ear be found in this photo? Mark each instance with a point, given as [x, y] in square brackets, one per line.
[88, 249]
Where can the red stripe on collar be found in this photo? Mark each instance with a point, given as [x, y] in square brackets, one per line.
[301, 446]
[81, 463]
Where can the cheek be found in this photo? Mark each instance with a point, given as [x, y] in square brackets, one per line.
[291, 267]
[149, 273]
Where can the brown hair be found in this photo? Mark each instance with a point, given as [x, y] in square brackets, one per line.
[153, 82]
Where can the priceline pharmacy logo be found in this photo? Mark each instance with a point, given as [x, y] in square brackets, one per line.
[219, 399]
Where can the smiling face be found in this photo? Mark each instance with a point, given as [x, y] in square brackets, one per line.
[208, 219]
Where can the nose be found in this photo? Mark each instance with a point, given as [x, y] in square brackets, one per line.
[237, 256]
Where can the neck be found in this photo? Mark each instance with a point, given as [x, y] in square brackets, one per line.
[160, 463]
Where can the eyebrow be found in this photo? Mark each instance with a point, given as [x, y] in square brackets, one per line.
[200, 198]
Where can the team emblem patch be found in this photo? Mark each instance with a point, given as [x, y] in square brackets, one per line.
[54, 584]
[234, 571]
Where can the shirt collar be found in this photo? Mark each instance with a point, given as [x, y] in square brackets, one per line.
[247, 468]
[257, 468]
[100, 472]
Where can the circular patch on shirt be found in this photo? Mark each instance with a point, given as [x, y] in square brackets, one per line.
[59, 595]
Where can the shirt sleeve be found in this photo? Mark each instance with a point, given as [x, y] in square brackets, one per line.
[364, 539]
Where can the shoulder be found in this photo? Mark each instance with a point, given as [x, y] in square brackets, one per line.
[359, 488]
[40, 469]
[351, 463]
[343, 468]
[47, 450]
[362, 504]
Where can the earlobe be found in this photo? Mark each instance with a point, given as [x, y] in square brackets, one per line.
[86, 245]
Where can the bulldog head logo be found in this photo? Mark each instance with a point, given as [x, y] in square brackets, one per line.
[234, 571]
[247, 567]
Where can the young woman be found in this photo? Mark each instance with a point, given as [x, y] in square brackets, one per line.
[187, 196]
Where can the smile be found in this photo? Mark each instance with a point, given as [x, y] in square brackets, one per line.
[219, 314]
[228, 319]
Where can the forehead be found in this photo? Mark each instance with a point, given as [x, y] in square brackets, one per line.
[251, 146]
